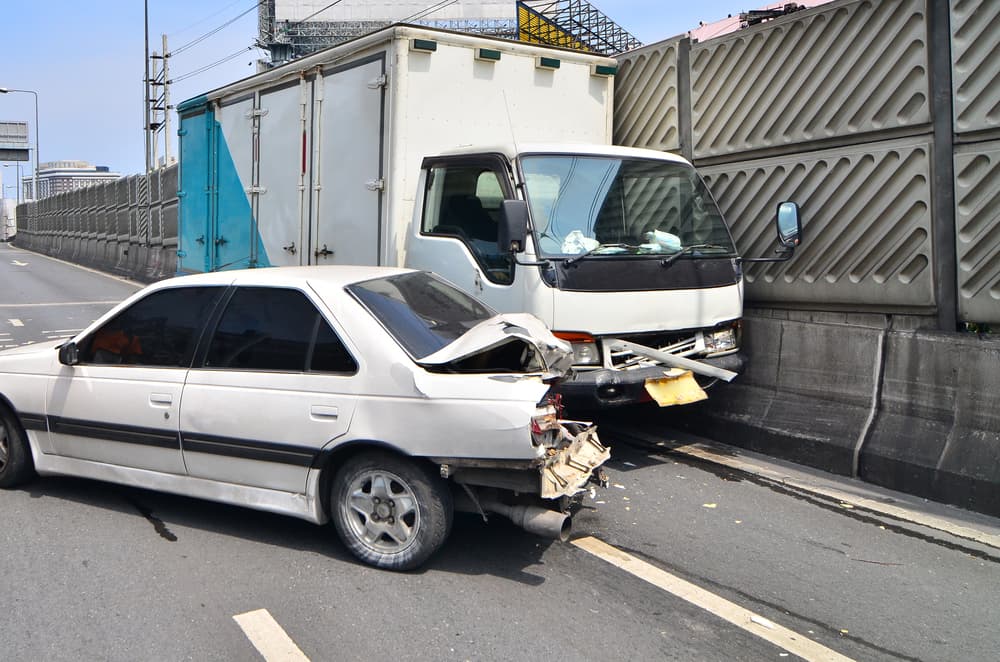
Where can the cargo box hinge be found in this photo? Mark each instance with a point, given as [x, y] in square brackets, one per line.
[381, 81]
[375, 185]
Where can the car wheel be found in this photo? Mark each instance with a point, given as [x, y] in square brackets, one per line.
[390, 512]
[16, 466]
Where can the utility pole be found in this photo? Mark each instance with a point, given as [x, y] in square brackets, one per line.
[166, 102]
[159, 105]
[146, 108]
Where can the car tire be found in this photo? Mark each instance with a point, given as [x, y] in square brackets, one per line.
[389, 511]
[16, 465]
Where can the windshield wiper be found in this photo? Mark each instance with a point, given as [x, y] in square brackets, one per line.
[667, 261]
[577, 258]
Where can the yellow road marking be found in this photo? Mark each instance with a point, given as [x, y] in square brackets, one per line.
[269, 638]
[743, 618]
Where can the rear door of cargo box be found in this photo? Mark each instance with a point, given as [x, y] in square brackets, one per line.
[347, 171]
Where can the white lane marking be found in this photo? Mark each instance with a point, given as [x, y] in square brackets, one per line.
[62, 331]
[15, 322]
[82, 268]
[270, 640]
[59, 303]
[18, 263]
[753, 623]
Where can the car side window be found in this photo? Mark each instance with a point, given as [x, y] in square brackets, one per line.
[464, 201]
[276, 329]
[159, 330]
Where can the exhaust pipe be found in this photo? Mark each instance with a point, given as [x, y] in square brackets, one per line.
[535, 519]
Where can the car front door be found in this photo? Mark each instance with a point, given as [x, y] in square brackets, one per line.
[119, 405]
[272, 388]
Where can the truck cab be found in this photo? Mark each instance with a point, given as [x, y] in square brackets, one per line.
[624, 254]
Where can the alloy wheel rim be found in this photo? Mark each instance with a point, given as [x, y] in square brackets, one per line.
[4, 447]
[381, 511]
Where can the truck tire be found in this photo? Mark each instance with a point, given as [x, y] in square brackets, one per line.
[389, 511]
[16, 465]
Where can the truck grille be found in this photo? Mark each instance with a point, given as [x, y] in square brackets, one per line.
[681, 344]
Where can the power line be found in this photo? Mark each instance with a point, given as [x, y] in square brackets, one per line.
[203, 20]
[423, 13]
[208, 34]
[212, 65]
[335, 2]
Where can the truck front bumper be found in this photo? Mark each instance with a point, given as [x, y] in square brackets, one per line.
[605, 388]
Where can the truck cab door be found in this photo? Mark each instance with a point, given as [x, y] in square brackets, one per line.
[456, 236]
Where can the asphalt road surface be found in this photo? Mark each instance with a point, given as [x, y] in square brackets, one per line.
[693, 553]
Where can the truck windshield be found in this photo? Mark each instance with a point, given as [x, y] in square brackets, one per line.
[599, 205]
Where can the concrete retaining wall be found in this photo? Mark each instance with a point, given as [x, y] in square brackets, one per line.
[912, 410]
[123, 227]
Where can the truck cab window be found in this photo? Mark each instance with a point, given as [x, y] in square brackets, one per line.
[463, 201]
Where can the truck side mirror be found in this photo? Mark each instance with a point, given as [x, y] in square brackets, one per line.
[513, 230]
[69, 354]
[789, 224]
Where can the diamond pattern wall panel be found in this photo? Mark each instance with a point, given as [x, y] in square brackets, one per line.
[837, 70]
[977, 222]
[866, 224]
[975, 41]
[646, 98]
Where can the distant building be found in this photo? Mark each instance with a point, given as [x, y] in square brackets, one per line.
[290, 29]
[56, 177]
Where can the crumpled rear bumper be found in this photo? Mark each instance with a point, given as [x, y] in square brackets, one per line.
[566, 471]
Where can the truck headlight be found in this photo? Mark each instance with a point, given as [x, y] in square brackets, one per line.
[722, 340]
[586, 350]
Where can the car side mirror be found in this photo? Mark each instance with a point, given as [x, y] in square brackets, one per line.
[513, 230]
[69, 354]
[789, 224]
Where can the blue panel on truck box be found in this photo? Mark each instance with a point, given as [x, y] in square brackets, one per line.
[194, 192]
[217, 227]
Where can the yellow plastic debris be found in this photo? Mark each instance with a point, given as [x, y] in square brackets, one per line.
[676, 387]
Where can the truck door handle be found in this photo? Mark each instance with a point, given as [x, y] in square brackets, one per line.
[160, 399]
[324, 412]
[323, 252]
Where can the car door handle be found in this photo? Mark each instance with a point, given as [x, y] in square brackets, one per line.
[160, 399]
[324, 412]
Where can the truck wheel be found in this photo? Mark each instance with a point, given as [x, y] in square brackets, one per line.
[390, 512]
[16, 465]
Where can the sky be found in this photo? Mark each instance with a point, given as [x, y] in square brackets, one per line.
[85, 61]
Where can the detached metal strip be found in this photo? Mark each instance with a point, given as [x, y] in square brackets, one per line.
[696, 367]
[745, 619]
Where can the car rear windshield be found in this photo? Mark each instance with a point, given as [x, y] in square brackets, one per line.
[422, 312]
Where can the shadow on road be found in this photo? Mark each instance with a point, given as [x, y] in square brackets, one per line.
[474, 547]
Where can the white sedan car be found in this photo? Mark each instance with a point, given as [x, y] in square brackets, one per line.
[382, 399]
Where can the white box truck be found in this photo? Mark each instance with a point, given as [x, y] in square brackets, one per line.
[8, 219]
[489, 162]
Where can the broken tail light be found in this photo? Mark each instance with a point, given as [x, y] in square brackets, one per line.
[545, 426]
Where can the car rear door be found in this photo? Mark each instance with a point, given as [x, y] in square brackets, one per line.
[119, 405]
[272, 387]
